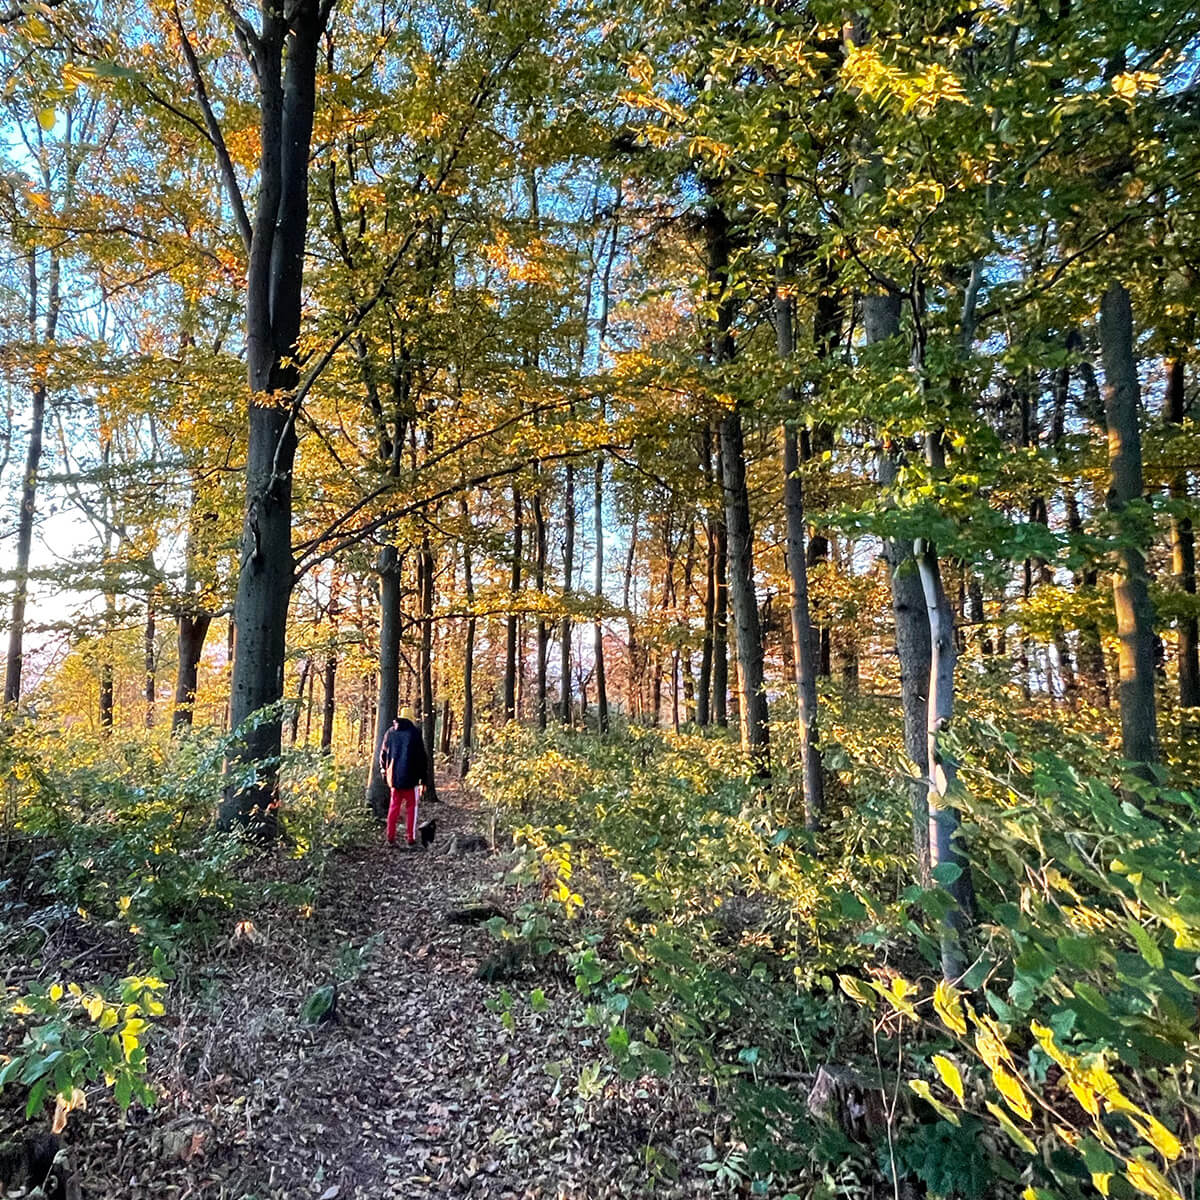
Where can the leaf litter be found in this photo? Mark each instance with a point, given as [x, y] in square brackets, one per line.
[410, 1087]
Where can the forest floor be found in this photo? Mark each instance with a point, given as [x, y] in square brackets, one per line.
[417, 1089]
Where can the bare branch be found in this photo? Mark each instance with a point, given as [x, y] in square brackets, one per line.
[215, 135]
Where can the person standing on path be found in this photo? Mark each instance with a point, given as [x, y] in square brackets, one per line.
[405, 765]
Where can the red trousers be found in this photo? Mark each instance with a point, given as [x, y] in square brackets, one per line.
[403, 798]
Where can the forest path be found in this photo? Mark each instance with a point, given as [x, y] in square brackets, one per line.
[416, 1090]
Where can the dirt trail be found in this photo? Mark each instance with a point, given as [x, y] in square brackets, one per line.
[416, 1090]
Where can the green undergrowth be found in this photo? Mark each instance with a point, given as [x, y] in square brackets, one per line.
[114, 880]
[718, 942]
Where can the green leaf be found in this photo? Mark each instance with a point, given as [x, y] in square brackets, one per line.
[946, 873]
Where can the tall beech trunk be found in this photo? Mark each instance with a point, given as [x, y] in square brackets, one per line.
[753, 697]
[285, 58]
[151, 664]
[1183, 552]
[388, 567]
[329, 700]
[598, 583]
[510, 647]
[564, 629]
[107, 700]
[33, 460]
[753, 706]
[944, 819]
[468, 713]
[192, 631]
[881, 320]
[720, 662]
[1131, 595]
[428, 711]
[804, 661]
[543, 626]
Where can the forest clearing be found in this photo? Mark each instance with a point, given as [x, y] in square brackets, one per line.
[600, 599]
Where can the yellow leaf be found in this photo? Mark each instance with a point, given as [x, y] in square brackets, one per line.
[47, 118]
[950, 1075]
[1148, 1179]
[1013, 1132]
[1012, 1091]
[922, 1089]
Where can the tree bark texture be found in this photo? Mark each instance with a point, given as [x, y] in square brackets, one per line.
[1131, 595]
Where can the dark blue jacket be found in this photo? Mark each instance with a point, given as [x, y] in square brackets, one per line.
[402, 756]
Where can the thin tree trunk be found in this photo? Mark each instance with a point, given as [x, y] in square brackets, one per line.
[720, 662]
[564, 709]
[944, 819]
[753, 707]
[468, 715]
[1183, 552]
[796, 554]
[428, 711]
[33, 459]
[1131, 596]
[150, 664]
[388, 704]
[510, 651]
[543, 626]
[330, 700]
[598, 632]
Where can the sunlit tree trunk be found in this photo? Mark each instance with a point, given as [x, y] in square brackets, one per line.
[1183, 551]
[1131, 595]
[285, 59]
[388, 704]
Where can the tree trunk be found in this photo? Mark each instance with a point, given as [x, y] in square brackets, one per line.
[543, 626]
[33, 459]
[944, 821]
[753, 707]
[106, 663]
[598, 640]
[510, 651]
[881, 319]
[193, 629]
[1183, 553]
[468, 715]
[285, 58]
[720, 661]
[1131, 596]
[388, 705]
[804, 666]
[150, 664]
[564, 706]
[428, 712]
[330, 700]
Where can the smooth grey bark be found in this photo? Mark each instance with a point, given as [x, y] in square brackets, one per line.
[29, 481]
[805, 664]
[284, 53]
[753, 707]
[881, 322]
[1131, 595]
[564, 630]
[510, 645]
[944, 819]
[428, 711]
[1183, 550]
[388, 705]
